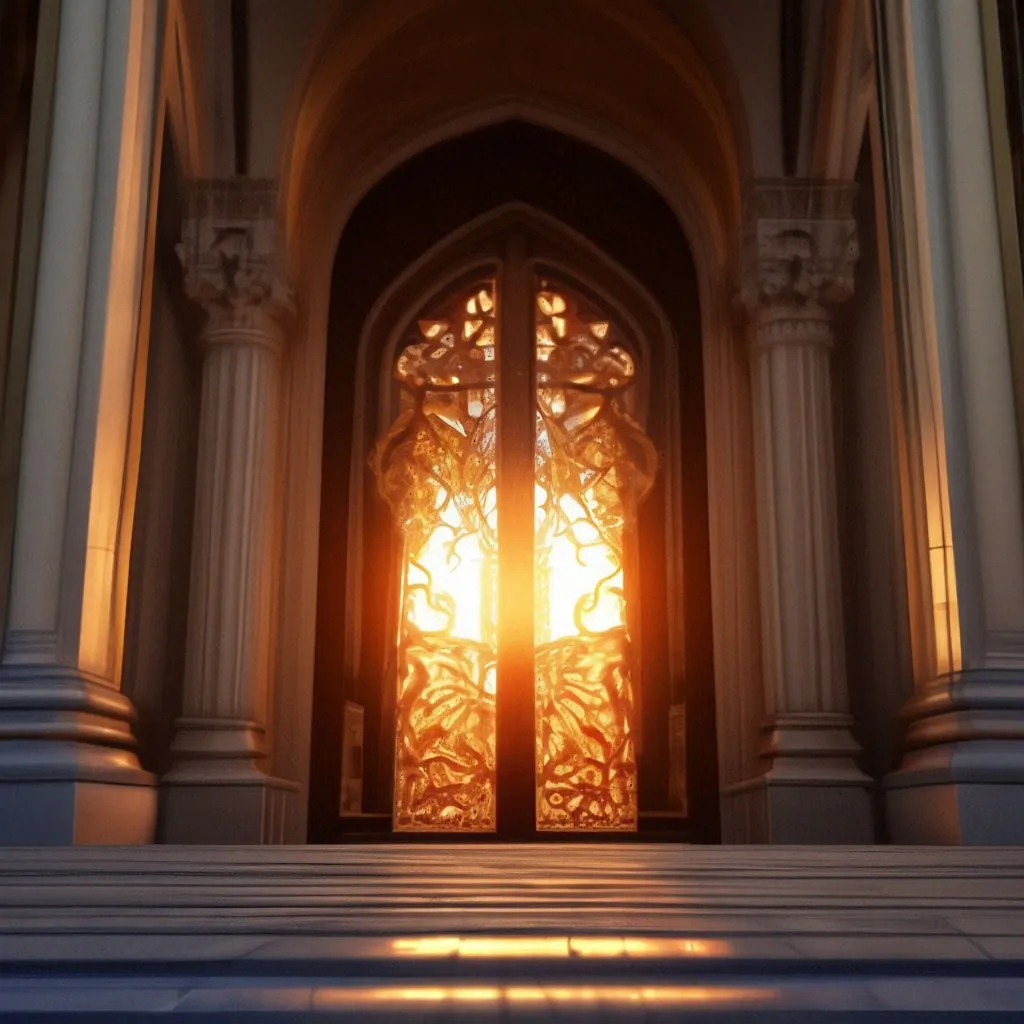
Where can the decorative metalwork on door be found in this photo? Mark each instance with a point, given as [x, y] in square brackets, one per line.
[592, 458]
[437, 467]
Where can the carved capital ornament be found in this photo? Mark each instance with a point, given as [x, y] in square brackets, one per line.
[231, 253]
[800, 246]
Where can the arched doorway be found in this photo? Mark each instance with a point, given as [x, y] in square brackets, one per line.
[607, 237]
[665, 111]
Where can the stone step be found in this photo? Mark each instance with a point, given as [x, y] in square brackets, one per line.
[543, 932]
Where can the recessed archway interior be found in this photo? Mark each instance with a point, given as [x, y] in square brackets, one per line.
[600, 222]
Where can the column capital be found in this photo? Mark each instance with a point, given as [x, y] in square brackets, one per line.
[799, 246]
[231, 252]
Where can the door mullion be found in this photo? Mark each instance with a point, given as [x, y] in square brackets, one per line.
[516, 787]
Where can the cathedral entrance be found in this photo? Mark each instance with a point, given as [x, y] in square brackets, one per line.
[507, 436]
[513, 470]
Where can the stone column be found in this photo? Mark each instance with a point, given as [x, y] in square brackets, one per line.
[961, 778]
[800, 252]
[68, 768]
[216, 790]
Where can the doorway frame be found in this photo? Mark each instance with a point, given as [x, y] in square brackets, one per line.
[695, 153]
[564, 251]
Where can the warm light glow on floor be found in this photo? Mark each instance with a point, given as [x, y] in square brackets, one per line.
[596, 996]
[555, 946]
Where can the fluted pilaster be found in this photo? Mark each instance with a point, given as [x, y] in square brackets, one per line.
[228, 656]
[800, 252]
[230, 254]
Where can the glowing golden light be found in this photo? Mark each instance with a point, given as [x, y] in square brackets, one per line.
[593, 462]
[602, 995]
[550, 303]
[437, 469]
[555, 946]
[426, 945]
[513, 946]
[432, 328]
[476, 995]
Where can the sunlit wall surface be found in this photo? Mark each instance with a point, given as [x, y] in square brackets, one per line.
[437, 468]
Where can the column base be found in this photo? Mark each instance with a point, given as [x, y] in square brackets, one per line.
[942, 810]
[212, 740]
[224, 807]
[962, 780]
[813, 792]
[813, 746]
[782, 810]
[68, 770]
[78, 812]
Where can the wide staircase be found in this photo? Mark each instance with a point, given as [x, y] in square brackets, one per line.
[541, 932]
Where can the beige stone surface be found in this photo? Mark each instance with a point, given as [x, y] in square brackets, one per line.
[419, 932]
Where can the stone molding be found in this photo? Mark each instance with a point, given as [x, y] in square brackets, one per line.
[787, 324]
[230, 250]
[800, 244]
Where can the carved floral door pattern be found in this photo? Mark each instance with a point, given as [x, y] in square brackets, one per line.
[513, 470]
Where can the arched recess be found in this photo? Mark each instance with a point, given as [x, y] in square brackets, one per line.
[358, 552]
[391, 79]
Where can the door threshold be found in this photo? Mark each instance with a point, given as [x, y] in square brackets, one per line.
[654, 827]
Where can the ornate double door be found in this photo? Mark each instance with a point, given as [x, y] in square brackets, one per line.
[513, 468]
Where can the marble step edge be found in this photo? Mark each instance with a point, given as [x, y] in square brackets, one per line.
[764, 998]
[530, 955]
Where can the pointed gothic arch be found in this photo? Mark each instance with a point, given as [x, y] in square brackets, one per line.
[368, 106]
[354, 651]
